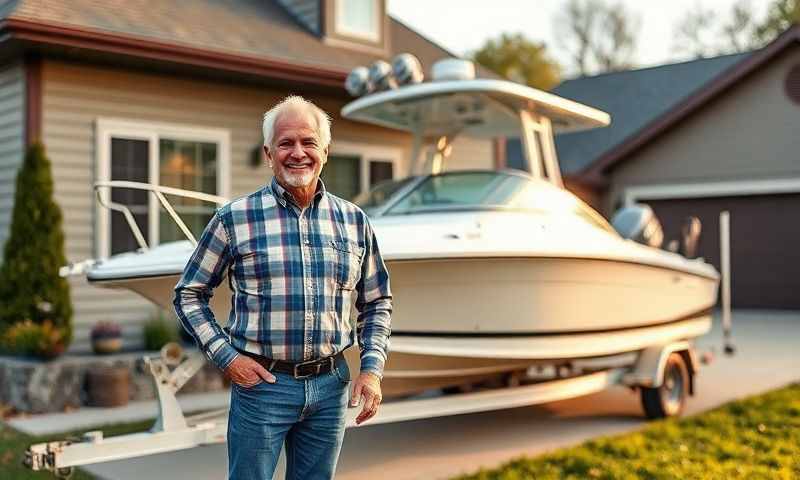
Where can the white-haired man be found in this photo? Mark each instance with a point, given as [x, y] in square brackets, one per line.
[296, 257]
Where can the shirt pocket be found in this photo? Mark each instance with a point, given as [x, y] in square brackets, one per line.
[255, 269]
[347, 263]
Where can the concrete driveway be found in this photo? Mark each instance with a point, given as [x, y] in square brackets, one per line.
[766, 358]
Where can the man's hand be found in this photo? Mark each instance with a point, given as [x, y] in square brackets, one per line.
[367, 385]
[246, 372]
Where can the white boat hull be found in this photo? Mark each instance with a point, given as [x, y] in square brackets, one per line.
[464, 320]
[541, 295]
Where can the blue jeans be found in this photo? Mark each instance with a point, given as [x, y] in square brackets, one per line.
[307, 415]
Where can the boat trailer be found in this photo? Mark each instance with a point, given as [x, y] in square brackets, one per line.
[663, 373]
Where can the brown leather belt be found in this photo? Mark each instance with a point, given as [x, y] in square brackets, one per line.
[299, 370]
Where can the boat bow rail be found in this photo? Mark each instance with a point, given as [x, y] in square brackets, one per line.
[102, 189]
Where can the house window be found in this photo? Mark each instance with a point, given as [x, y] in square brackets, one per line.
[182, 157]
[354, 168]
[380, 171]
[358, 18]
[129, 162]
[341, 175]
[188, 166]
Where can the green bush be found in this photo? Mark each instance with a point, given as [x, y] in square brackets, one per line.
[28, 338]
[158, 331]
[30, 287]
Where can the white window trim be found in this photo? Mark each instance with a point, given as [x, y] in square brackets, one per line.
[711, 189]
[366, 153]
[106, 128]
[342, 30]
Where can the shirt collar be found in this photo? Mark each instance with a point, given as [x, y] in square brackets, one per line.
[282, 195]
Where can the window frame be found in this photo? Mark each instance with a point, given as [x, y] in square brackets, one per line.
[367, 153]
[152, 132]
[340, 29]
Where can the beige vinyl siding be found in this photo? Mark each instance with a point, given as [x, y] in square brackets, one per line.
[75, 96]
[749, 133]
[12, 139]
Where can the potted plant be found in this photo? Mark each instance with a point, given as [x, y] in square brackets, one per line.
[106, 337]
[158, 331]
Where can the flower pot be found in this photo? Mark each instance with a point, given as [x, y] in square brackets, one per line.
[104, 346]
[108, 386]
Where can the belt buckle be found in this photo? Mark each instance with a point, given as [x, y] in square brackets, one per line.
[308, 362]
[298, 376]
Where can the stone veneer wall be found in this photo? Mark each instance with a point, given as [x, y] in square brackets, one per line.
[35, 386]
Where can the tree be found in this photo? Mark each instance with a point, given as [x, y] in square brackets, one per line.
[781, 15]
[702, 34]
[30, 286]
[599, 37]
[694, 34]
[518, 59]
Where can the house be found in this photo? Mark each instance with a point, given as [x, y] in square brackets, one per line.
[173, 92]
[697, 138]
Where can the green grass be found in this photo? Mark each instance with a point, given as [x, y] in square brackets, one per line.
[754, 438]
[13, 445]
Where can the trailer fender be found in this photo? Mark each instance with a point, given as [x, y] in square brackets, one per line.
[648, 370]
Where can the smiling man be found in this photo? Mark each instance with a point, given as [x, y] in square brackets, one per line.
[297, 258]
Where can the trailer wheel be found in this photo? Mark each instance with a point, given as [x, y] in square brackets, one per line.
[669, 399]
[64, 473]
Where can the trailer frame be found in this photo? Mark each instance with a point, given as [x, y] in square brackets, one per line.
[173, 431]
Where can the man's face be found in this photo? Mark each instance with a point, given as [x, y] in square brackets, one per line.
[296, 154]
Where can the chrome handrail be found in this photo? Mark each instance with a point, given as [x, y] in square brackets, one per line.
[158, 191]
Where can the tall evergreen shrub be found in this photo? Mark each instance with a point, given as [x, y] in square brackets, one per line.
[30, 287]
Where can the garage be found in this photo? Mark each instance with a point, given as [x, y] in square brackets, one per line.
[697, 138]
[765, 243]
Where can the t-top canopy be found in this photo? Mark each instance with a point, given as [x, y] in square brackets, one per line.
[480, 108]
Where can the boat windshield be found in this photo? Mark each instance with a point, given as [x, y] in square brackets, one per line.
[380, 193]
[488, 190]
[461, 190]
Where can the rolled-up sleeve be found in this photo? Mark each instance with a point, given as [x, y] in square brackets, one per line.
[202, 274]
[374, 304]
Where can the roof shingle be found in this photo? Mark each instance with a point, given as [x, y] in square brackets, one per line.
[634, 99]
[258, 28]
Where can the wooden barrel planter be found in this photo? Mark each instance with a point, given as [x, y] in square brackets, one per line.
[108, 386]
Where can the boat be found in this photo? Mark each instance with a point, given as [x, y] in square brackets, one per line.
[492, 271]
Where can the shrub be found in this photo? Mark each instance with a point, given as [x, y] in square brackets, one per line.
[43, 340]
[30, 287]
[158, 331]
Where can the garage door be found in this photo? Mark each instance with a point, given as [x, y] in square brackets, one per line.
[765, 244]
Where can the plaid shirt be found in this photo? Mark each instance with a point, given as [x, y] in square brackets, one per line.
[294, 274]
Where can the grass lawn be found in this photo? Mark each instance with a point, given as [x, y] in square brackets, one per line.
[13, 445]
[754, 438]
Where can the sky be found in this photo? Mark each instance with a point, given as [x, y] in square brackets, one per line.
[463, 25]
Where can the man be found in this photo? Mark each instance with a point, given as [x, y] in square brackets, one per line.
[297, 256]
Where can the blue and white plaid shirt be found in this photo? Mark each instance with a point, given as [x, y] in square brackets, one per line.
[294, 274]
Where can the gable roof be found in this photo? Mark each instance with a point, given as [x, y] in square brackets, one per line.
[255, 35]
[634, 99]
[589, 155]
